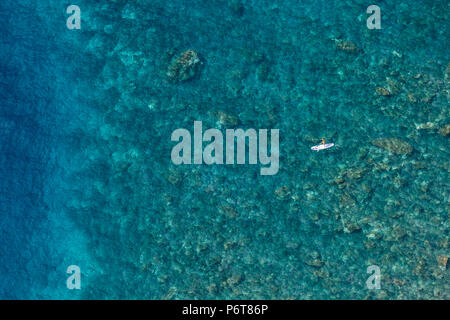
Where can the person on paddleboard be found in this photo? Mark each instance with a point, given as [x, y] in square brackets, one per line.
[322, 146]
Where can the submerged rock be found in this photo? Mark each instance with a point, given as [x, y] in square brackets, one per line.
[412, 97]
[445, 130]
[229, 211]
[174, 177]
[226, 119]
[383, 91]
[234, 280]
[184, 67]
[426, 126]
[355, 173]
[420, 267]
[442, 261]
[347, 46]
[395, 233]
[349, 226]
[315, 260]
[392, 86]
[321, 273]
[283, 193]
[393, 145]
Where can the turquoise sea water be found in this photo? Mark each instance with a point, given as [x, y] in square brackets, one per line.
[86, 118]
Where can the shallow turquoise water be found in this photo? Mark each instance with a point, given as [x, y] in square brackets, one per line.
[141, 227]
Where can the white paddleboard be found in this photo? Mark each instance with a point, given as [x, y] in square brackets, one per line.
[322, 146]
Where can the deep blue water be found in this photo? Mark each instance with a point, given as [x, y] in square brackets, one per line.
[38, 239]
[86, 178]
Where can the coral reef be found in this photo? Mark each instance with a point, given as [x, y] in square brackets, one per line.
[184, 67]
[393, 145]
[160, 231]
